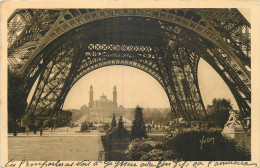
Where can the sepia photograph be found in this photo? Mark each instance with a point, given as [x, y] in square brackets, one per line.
[129, 84]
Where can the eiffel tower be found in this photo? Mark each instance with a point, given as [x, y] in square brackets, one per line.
[53, 49]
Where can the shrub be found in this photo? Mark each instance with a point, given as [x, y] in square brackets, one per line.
[216, 147]
[158, 155]
[106, 126]
[218, 112]
[137, 148]
[144, 149]
[121, 131]
[84, 127]
[113, 125]
[138, 128]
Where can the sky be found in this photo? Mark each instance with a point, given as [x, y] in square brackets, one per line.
[135, 87]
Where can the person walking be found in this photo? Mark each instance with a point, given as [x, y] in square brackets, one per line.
[27, 131]
[34, 130]
[41, 132]
[149, 128]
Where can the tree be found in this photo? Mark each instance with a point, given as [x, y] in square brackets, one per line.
[28, 119]
[138, 127]
[114, 121]
[218, 112]
[121, 131]
[84, 127]
[16, 99]
[106, 126]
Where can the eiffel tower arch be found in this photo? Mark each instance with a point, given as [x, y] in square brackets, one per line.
[56, 48]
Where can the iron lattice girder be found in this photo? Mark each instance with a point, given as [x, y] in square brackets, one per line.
[234, 80]
[179, 81]
[50, 83]
[91, 36]
[138, 44]
[188, 18]
[65, 12]
[164, 29]
[56, 48]
[202, 27]
[231, 70]
[237, 35]
[36, 24]
[224, 14]
[139, 61]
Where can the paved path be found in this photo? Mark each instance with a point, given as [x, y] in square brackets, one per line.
[55, 145]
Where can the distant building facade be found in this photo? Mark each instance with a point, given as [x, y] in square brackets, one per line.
[103, 108]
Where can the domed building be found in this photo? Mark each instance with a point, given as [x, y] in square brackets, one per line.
[103, 108]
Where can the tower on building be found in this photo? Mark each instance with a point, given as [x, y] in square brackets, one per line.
[91, 97]
[115, 96]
